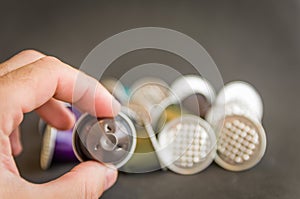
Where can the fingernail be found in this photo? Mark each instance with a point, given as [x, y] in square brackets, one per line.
[111, 177]
[116, 106]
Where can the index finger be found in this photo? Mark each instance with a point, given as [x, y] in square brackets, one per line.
[29, 87]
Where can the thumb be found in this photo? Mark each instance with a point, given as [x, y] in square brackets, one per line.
[87, 180]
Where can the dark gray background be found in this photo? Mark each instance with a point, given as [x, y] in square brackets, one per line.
[256, 41]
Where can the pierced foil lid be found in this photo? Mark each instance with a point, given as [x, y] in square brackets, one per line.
[188, 145]
[109, 140]
[241, 143]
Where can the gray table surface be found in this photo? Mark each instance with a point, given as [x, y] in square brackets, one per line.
[257, 41]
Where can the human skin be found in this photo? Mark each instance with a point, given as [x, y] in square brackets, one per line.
[32, 81]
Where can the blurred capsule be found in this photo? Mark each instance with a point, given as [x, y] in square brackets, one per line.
[150, 93]
[238, 109]
[193, 155]
[195, 94]
[56, 144]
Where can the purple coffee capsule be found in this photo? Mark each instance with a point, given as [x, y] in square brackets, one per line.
[57, 144]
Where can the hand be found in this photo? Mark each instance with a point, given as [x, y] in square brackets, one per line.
[32, 81]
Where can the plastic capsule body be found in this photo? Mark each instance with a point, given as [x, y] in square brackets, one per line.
[236, 118]
[56, 144]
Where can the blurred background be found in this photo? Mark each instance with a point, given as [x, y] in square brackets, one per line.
[256, 41]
